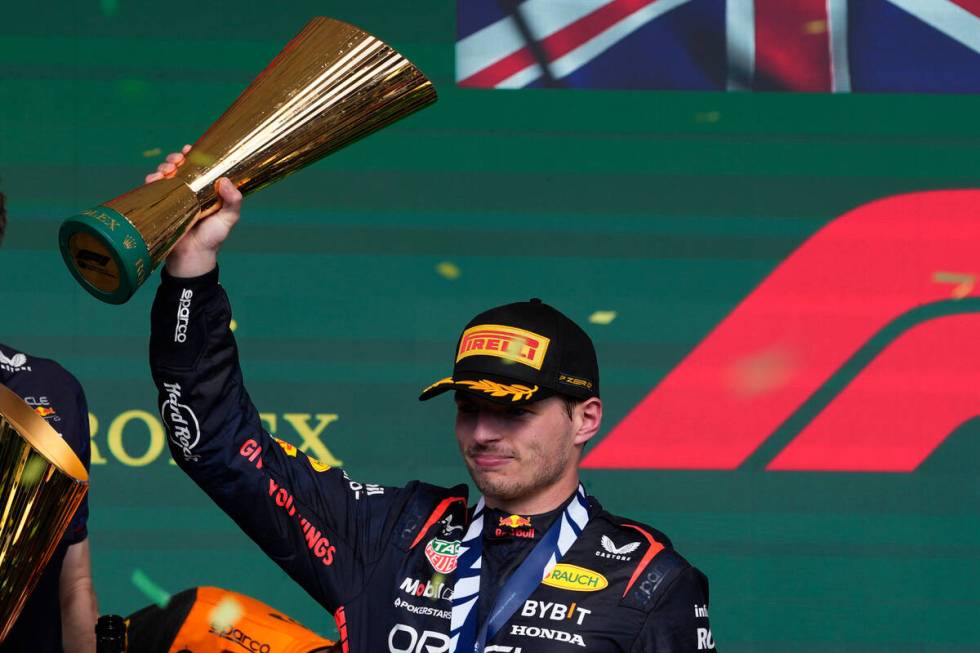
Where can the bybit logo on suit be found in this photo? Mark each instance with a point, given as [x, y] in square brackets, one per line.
[554, 611]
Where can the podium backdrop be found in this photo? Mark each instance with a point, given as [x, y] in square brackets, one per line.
[647, 216]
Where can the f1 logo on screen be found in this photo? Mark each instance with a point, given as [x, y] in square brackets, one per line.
[859, 351]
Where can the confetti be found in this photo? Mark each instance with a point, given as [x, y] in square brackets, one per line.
[448, 270]
[154, 592]
[815, 27]
[964, 282]
[233, 325]
[437, 580]
[225, 614]
[200, 158]
[33, 470]
[708, 116]
[512, 350]
[761, 372]
[156, 151]
[602, 317]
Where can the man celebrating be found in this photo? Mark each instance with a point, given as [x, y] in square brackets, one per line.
[534, 565]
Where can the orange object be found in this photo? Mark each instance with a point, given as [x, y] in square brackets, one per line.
[249, 625]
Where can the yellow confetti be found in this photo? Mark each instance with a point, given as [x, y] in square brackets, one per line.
[225, 614]
[708, 116]
[156, 151]
[815, 27]
[762, 372]
[33, 470]
[233, 325]
[512, 350]
[437, 580]
[200, 158]
[448, 270]
[964, 282]
[602, 317]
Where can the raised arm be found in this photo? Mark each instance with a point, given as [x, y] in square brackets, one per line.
[309, 518]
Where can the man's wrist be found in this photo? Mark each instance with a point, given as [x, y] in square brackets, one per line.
[189, 267]
[197, 282]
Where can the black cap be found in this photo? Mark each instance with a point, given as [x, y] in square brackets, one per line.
[520, 353]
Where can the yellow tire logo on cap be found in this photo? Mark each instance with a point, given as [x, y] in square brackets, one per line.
[510, 343]
[575, 578]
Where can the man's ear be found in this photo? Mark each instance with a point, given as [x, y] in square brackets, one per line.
[588, 418]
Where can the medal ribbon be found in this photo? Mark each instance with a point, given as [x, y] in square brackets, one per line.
[464, 636]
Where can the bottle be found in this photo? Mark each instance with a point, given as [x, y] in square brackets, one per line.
[110, 634]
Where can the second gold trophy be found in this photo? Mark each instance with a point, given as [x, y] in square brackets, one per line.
[332, 84]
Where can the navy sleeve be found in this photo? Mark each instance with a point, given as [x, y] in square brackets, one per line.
[323, 529]
[77, 434]
[678, 622]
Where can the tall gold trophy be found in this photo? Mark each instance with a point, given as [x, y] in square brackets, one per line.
[331, 85]
[42, 482]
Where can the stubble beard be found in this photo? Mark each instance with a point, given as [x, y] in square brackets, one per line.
[537, 472]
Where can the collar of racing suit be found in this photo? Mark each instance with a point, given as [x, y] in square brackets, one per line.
[506, 526]
[508, 538]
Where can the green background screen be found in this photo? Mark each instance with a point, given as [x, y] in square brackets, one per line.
[668, 208]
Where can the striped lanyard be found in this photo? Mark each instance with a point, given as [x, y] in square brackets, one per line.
[464, 634]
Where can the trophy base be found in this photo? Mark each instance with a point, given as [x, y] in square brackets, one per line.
[112, 249]
[105, 253]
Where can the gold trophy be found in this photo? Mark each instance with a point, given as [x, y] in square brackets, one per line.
[331, 85]
[42, 482]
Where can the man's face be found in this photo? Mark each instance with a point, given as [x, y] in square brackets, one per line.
[513, 452]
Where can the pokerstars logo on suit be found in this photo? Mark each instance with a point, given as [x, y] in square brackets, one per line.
[858, 353]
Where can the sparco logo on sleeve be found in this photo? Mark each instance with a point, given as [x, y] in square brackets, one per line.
[183, 315]
[181, 422]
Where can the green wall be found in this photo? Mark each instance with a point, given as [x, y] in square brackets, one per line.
[666, 207]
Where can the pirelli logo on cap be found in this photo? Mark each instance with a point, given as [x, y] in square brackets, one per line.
[505, 342]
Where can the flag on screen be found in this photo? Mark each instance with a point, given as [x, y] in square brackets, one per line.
[919, 46]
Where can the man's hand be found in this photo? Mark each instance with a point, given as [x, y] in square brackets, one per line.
[197, 252]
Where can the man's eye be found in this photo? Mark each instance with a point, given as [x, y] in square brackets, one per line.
[514, 411]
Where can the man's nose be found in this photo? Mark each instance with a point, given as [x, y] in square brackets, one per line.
[485, 429]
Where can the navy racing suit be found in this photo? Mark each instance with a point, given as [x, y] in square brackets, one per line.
[55, 394]
[382, 559]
